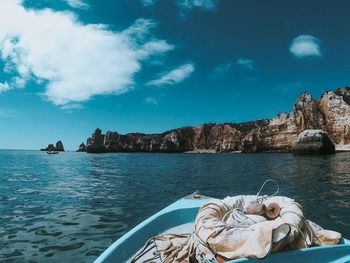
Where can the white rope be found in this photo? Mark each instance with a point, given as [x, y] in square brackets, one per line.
[262, 186]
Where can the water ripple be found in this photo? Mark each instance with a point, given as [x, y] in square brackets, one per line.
[72, 206]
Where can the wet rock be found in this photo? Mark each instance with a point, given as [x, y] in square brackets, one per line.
[314, 142]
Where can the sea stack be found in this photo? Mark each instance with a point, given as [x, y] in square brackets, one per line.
[82, 147]
[49, 147]
[95, 144]
[314, 142]
[59, 147]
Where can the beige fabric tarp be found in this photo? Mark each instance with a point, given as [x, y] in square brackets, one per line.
[219, 232]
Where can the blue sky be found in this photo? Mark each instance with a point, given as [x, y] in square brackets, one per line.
[69, 66]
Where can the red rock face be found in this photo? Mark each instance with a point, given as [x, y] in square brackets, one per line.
[330, 113]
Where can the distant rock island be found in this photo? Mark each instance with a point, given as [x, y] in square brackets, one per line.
[82, 147]
[59, 147]
[329, 115]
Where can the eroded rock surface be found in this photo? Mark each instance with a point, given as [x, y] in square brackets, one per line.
[314, 142]
[330, 113]
[95, 144]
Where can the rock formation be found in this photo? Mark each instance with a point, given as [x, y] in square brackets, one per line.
[95, 144]
[331, 113]
[314, 142]
[50, 147]
[82, 147]
[59, 147]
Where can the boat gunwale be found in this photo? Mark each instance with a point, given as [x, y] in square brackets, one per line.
[182, 203]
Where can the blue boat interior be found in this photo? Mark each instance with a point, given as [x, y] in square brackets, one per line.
[184, 211]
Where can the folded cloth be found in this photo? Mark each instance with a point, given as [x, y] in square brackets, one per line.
[223, 232]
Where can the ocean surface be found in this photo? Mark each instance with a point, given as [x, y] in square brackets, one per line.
[71, 206]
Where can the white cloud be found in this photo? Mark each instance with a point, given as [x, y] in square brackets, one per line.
[247, 63]
[201, 4]
[174, 76]
[151, 101]
[223, 67]
[4, 87]
[72, 106]
[74, 61]
[221, 70]
[187, 5]
[80, 4]
[152, 47]
[148, 2]
[306, 46]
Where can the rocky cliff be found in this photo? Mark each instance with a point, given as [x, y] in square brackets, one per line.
[330, 113]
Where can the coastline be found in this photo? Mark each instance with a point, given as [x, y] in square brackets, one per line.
[210, 151]
[313, 126]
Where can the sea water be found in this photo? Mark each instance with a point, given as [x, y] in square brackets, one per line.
[71, 206]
